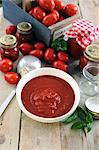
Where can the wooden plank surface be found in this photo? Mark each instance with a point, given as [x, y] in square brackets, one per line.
[74, 140]
[89, 10]
[39, 136]
[18, 132]
[10, 121]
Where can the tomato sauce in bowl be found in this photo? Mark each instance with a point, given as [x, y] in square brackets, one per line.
[47, 96]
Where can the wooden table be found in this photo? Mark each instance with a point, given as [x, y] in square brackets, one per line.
[18, 132]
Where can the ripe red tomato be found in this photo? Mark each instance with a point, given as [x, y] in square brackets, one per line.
[59, 5]
[12, 77]
[83, 62]
[6, 65]
[47, 5]
[50, 19]
[71, 10]
[60, 65]
[39, 45]
[56, 12]
[37, 13]
[63, 56]
[37, 53]
[61, 18]
[11, 29]
[25, 48]
[49, 55]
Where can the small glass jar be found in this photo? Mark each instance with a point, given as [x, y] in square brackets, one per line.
[74, 48]
[24, 32]
[90, 84]
[92, 53]
[8, 47]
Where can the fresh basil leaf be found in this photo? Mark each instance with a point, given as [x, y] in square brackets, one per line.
[78, 125]
[89, 127]
[81, 113]
[73, 117]
[89, 118]
[59, 44]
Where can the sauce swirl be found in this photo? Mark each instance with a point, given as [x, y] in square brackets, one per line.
[48, 96]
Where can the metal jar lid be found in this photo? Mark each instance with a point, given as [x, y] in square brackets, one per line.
[7, 41]
[24, 27]
[92, 104]
[92, 52]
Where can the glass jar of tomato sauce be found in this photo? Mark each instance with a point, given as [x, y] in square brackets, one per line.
[81, 34]
[8, 47]
[24, 32]
[90, 56]
[74, 48]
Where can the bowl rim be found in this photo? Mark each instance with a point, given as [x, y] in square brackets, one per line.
[53, 72]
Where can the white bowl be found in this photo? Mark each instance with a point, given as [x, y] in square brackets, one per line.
[53, 72]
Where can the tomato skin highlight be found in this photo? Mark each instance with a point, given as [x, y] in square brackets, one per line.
[38, 13]
[12, 77]
[50, 19]
[59, 5]
[63, 56]
[49, 55]
[47, 5]
[25, 48]
[39, 45]
[6, 65]
[57, 13]
[11, 29]
[37, 53]
[70, 9]
[58, 64]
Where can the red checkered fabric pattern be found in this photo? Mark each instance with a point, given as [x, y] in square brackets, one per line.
[84, 32]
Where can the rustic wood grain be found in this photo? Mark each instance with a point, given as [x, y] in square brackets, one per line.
[39, 136]
[89, 10]
[74, 140]
[18, 132]
[9, 127]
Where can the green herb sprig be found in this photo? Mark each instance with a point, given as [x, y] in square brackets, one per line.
[82, 119]
[59, 44]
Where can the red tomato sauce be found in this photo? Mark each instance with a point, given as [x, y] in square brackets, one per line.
[48, 96]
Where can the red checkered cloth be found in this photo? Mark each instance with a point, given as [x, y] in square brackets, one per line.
[84, 32]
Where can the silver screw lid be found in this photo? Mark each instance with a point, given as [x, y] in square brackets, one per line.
[7, 41]
[92, 52]
[24, 27]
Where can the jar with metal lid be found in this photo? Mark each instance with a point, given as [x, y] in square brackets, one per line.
[24, 32]
[92, 53]
[8, 47]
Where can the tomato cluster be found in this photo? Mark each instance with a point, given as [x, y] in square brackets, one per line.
[57, 60]
[50, 12]
[6, 65]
